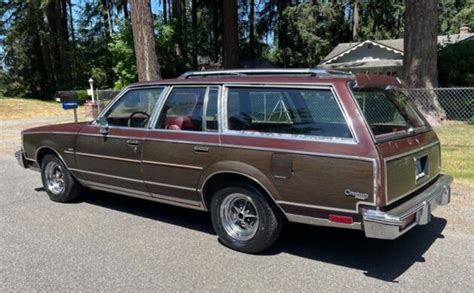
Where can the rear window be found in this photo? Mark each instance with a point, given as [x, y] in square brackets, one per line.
[388, 112]
[313, 113]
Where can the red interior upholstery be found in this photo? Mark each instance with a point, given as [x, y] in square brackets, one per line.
[178, 122]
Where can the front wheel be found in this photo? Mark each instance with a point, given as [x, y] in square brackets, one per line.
[57, 181]
[243, 218]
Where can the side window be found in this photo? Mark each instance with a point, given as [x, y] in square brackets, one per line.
[134, 108]
[183, 109]
[212, 123]
[306, 112]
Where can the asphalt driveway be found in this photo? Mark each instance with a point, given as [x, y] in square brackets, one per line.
[111, 242]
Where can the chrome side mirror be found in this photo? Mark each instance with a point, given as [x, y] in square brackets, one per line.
[104, 125]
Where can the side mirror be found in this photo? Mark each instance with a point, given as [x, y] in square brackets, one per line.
[104, 125]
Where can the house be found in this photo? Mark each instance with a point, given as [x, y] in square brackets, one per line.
[380, 56]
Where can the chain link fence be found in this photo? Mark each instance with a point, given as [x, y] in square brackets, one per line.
[105, 96]
[457, 103]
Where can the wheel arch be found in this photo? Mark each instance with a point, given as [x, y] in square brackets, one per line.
[237, 173]
[42, 151]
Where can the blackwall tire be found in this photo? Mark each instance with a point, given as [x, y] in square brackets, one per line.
[57, 181]
[243, 218]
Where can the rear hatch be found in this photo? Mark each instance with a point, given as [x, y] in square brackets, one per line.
[409, 149]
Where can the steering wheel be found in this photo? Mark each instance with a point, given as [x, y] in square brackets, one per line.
[130, 118]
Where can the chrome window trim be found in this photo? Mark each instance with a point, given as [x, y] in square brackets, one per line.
[204, 110]
[354, 140]
[119, 96]
[152, 126]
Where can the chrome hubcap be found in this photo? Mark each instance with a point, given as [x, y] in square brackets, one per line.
[239, 216]
[54, 177]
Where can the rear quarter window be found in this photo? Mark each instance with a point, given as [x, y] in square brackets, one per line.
[302, 112]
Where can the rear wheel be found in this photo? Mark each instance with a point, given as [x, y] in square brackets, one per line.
[244, 220]
[57, 181]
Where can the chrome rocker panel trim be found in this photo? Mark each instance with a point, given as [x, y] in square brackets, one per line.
[390, 224]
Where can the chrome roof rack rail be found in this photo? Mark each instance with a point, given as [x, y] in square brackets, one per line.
[268, 72]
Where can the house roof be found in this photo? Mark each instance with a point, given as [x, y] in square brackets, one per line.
[396, 44]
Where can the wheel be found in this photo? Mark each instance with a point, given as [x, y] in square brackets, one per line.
[57, 181]
[243, 219]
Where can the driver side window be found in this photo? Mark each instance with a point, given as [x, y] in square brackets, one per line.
[134, 108]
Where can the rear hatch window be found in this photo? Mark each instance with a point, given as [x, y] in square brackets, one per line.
[389, 113]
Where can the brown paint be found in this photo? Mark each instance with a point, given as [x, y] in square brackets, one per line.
[307, 177]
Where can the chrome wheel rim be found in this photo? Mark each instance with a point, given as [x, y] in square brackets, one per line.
[239, 216]
[54, 175]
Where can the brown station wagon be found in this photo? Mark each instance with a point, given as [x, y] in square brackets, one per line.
[256, 148]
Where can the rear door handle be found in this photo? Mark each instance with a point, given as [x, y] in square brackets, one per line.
[201, 149]
[132, 142]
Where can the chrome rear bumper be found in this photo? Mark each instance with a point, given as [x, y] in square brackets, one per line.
[416, 211]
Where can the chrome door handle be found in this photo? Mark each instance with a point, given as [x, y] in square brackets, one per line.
[201, 149]
[132, 142]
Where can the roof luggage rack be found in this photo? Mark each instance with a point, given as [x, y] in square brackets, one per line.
[266, 72]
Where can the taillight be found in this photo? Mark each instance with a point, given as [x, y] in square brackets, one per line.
[340, 219]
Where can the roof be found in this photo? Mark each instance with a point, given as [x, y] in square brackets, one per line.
[362, 79]
[397, 44]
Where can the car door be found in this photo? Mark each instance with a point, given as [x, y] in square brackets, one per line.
[112, 161]
[183, 142]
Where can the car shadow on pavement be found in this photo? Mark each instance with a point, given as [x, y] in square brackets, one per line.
[191, 219]
[381, 259]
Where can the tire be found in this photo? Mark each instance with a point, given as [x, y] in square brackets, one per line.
[57, 181]
[257, 233]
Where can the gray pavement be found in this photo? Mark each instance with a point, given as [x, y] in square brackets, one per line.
[110, 242]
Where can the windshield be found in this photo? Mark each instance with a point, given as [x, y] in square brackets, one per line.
[388, 112]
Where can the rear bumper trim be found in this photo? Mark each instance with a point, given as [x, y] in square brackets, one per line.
[417, 211]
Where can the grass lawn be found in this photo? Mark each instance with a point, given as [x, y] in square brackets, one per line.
[19, 108]
[457, 141]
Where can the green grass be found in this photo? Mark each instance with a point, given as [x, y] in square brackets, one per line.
[457, 141]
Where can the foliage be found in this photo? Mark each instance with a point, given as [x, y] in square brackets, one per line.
[456, 65]
[50, 45]
[454, 14]
[121, 49]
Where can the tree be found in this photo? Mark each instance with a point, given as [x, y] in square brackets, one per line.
[420, 51]
[144, 41]
[230, 35]
[355, 20]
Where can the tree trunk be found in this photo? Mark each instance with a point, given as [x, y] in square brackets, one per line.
[216, 25]
[421, 50]
[148, 66]
[194, 26]
[252, 29]
[230, 35]
[282, 29]
[125, 8]
[177, 12]
[165, 11]
[355, 21]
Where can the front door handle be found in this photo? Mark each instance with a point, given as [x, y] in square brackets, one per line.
[132, 142]
[201, 149]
